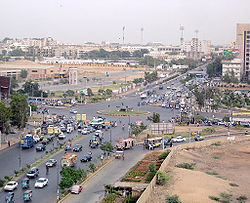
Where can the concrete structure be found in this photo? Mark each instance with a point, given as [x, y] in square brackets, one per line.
[73, 76]
[4, 88]
[243, 42]
[232, 66]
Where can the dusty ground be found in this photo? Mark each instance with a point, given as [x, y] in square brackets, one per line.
[231, 162]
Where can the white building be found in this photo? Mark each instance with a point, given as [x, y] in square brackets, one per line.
[233, 65]
[196, 45]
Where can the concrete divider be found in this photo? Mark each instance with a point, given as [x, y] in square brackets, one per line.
[145, 197]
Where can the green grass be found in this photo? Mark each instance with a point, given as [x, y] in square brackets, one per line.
[149, 177]
[121, 113]
[213, 173]
[164, 155]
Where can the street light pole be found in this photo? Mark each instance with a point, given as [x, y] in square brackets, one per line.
[110, 135]
[57, 191]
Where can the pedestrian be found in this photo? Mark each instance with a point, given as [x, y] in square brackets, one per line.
[47, 169]
[9, 143]
[90, 153]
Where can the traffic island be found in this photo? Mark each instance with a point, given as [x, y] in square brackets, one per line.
[123, 112]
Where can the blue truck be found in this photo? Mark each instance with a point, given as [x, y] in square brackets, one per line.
[27, 142]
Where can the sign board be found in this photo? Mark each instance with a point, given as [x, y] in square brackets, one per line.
[161, 128]
[240, 113]
[84, 117]
[78, 117]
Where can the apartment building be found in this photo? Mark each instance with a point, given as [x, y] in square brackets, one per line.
[232, 66]
[243, 42]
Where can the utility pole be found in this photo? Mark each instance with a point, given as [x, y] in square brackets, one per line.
[57, 191]
[110, 136]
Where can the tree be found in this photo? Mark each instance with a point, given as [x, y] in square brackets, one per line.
[4, 118]
[13, 85]
[19, 110]
[101, 92]
[23, 73]
[32, 89]
[70, 176]
[155, 118]
[70, 93]
[17, 52]
[89, 92]
[150, 77]
[138, 80]
[108, 92]
[92, 167]
[107, 147]
[200, 97]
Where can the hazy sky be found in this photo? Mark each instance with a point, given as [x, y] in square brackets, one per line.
[78, 21]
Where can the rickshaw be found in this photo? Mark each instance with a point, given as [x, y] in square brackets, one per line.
[9, 198]
[25, 183]
[119, 154]
[27, 195]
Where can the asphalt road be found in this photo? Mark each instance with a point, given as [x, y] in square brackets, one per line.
[10, 157]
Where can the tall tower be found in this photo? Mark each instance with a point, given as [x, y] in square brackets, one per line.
[123, 33]
[182, 34]
[142, 29]
[196, 33]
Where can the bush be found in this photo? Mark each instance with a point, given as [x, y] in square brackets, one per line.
[164, 155]
[2, 183]
[149, 177]
[173, 199]
[110, 198]
[217, 199]
[92, 167]
[216, 144]
[242, 198]
[212, 173]
[131, 199]
[162, 177]
[151, 167]
[189, 166]
[133, 174]
[7, 178]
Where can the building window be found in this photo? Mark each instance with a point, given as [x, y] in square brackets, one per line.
[248, 36]
[248, 32]
[34, 71]
[51, 71]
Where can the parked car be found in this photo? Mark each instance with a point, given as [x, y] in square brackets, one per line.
[33, 172]
[41, 182]
[51, 162]
[40, 147]
[76, 189]
[77, 148]
[179, 139]
[84, 131]
[86, 158]
[10, 186]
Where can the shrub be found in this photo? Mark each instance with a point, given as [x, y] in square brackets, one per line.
[217, 199]
[242, 198]
[133, 174]
[151, 167]
[216, 143]
[2, 183]
[233, 184]
[92, 167]
[28, 166]
[162, 177]
[131, 199]
[222, 177]
[131, 179]
[164, 155]
[7, 178]
[173, 199]
[16, 172]
[212, 173]
[149, 177]
[110, 198]
[216, 156]
[189, 166]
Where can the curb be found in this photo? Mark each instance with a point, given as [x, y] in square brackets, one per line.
[91, 175]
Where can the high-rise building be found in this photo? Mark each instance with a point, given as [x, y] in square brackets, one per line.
[243, 42]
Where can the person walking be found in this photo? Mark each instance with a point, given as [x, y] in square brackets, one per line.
[8, 143]
[47, 169]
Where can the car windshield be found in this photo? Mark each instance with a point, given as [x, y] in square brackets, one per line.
[10, 184]
[40, 145]
[40, 180]
[31, 172]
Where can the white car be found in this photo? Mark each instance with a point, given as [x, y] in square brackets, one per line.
[84, 131]
[179, 139]
[61, 136]
[73, 111]
[10, 186]
[41, 182]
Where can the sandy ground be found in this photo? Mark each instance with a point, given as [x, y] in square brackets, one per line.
[232, 165]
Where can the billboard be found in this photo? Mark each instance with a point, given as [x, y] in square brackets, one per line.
[78, 117]
[84, 117]
[230, 52]
[50, 130]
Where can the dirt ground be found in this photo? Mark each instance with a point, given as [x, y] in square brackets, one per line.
[230, 164]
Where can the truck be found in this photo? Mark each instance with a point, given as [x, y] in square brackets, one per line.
[27, 141]
[68, 160]
[126, 143]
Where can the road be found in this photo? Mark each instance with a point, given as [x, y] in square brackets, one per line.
[93, 191]
[10, 157]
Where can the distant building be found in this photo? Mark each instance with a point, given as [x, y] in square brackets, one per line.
[4, 87]
[243, 42]
[232, 66]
